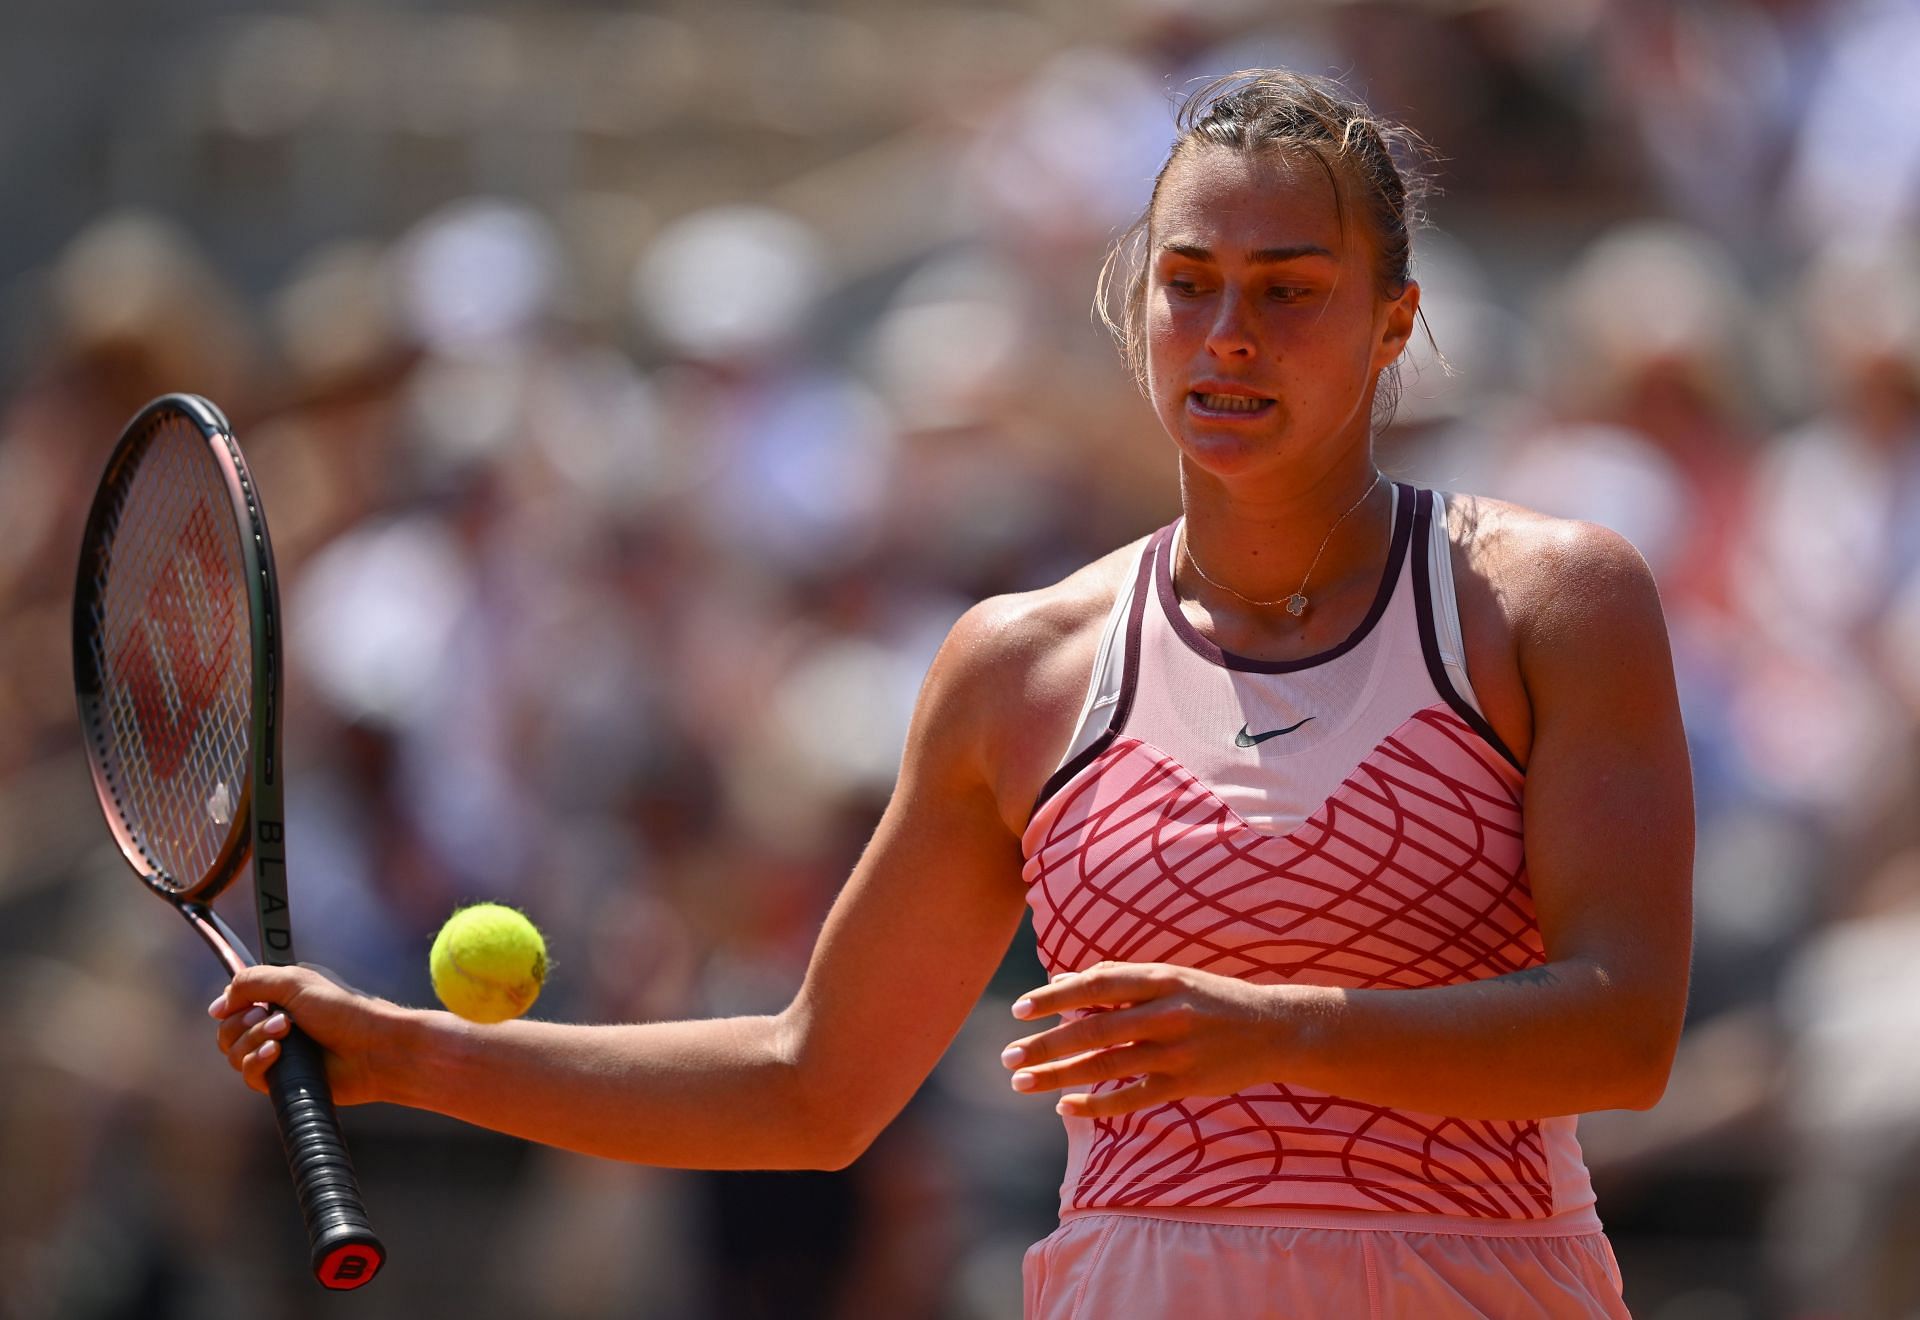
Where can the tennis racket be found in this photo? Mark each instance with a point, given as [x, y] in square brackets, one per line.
[176, 660]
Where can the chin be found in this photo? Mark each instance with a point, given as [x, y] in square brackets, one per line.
[1228, 454]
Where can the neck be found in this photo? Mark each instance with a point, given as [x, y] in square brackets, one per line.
[1260, 545]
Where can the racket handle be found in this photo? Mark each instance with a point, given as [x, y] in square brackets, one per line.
[346, 1252]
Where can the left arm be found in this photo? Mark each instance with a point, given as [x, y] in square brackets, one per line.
[1609, 849]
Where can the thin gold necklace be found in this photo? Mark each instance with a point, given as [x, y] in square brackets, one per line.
[1296, 603]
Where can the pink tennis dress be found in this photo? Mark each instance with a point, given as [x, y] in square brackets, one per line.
[1348, 819]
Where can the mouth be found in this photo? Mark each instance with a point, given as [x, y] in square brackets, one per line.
[1206, 404]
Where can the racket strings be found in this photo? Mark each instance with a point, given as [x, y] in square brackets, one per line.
[171, 645]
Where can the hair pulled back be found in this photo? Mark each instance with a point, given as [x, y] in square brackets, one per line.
[1371, 162]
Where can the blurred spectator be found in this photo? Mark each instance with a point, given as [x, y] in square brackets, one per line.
[1845, 1221]
[1655, 438]
[1856, 162]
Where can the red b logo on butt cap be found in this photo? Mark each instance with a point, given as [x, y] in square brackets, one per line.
[349, 1266]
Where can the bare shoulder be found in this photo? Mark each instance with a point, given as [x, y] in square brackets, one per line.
[1014, 671]
[1548, 572]
[1021, 630]
[1544, 600]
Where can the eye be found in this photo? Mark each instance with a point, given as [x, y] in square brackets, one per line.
[1288, 293]
[1185, 288]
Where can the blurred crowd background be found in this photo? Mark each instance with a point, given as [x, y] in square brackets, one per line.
[638, 392]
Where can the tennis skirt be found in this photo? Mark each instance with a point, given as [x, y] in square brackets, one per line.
[1135, 1267]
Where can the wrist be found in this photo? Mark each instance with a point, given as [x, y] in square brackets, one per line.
[411, 1046]
[1300, 1014]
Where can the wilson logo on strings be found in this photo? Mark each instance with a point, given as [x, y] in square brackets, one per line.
[175, 657]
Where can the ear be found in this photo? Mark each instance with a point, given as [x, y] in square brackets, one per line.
[1397, 321]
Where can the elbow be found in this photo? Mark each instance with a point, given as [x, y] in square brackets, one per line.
[1624, 1084]
[831, 1126]
[1643, 1092]
[827, 1141]
[1645, 1066]
[837, 1155]
[1637, 1032]
[1650, 1084]
[839, 1127]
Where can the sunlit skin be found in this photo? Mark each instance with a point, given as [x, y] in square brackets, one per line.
[1568, 653]
[1256, 286]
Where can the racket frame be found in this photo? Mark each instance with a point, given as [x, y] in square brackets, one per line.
[345, 1252]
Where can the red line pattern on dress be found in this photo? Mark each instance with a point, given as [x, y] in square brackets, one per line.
[1410, 874]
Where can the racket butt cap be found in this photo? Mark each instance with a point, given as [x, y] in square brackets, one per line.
[348, 1262]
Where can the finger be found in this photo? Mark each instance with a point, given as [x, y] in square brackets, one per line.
[1093, 1032]
[268, 985]
[233, 1027]
[269, 1027]
[1102, 985]
[1120, 1062]
[1140, 1093]
[272, 1028]
[230, 1001]
[254, 1067]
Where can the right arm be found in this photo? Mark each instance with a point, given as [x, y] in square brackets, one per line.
[907, 949]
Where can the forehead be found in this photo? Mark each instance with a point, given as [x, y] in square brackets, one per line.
[1227, 200]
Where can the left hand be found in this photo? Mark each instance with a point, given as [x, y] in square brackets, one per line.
[1174, 1030]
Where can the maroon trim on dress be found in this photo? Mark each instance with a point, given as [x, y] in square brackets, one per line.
[1208, 651]
[1129, 675]
[1430, 637]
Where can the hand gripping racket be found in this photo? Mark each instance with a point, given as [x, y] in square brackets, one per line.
[176, 660]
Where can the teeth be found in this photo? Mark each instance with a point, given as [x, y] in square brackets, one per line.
[1231, 402]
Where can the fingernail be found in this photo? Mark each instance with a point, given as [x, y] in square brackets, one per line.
[270, 1049]
[219, 1002]
[255, 1016]
[1057, 977]
[1024, 1081]
[1066, 1109]
[277, 1023]
[1022, 1007]
[1013, 1056]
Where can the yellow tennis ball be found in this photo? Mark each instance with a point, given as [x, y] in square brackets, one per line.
[488, 963]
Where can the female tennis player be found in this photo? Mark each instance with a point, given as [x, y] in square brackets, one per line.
[1355, 821]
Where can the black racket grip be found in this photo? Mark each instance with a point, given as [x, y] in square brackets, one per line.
[346, 1253]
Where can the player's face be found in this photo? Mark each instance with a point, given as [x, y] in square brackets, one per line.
[1265, 329]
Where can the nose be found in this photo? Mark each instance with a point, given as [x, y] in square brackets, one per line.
[1231, 334]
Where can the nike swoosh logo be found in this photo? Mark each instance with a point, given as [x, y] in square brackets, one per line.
[1245, 739]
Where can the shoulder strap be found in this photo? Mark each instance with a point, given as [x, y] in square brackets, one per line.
[1438, 608]
[1110, 688]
